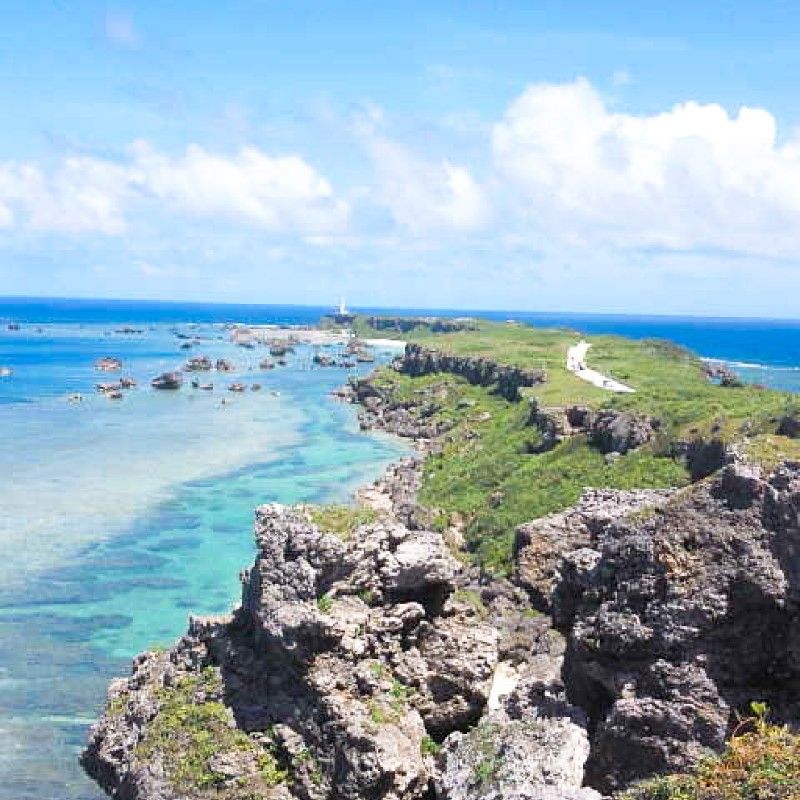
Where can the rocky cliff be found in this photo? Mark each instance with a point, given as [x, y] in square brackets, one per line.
[506, 380]
[372, 667]
[433, 324]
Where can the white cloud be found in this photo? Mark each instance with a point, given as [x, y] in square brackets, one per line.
[81, 194]
[424, 196]
[689, 178]
[281, 194]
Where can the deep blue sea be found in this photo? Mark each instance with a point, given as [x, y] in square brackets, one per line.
[121, 518]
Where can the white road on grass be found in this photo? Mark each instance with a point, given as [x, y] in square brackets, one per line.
[576, 364]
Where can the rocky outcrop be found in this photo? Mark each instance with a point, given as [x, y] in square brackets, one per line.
[621, 431]
[382, 410]
[395, 492]
[108, 364]
[376, 665]
[434, 324]
[506, 380]
[539, 545]
[678, 620]
[609, 430]
[722, 374]
[167, 380]
[346, 662]
[198, 364]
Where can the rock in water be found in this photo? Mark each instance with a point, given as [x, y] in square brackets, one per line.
[108, 364]
[167, 380]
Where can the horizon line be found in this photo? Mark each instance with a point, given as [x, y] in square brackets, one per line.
[370, 308]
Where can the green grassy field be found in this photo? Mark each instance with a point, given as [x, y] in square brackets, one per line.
[668, 379]
[487, 476]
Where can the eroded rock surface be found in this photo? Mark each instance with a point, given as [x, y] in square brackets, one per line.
[678, 620]
[345, 658]
[540, 544]
[506, 380]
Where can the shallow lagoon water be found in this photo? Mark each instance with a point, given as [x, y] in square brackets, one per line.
[120, 519]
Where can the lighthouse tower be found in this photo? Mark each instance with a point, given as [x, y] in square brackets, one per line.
[343, 316]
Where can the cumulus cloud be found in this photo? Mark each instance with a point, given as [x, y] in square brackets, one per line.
[688, 178]
[277, 193]
[282, 194]
[423, 195]
[81, 194]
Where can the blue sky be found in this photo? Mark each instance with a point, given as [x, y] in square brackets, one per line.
[535, 156]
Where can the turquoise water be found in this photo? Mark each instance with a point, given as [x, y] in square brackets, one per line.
[120, 519]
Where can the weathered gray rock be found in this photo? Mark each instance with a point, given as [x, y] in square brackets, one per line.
[680, 619]
[507, 380]
[621, 431]
[434, 324]
[539, 545]
[541, 759]
[350, 652]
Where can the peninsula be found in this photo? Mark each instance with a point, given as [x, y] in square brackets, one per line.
[568, 592]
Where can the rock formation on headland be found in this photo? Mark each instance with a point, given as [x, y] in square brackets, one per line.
[506, 380]
[379, 666]
[368, 661]
[349, 661]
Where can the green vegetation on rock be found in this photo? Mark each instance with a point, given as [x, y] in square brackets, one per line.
[490, 477]
[668, 379]
[340, 519]
[429, 746]
[762, 764]
[487, 475]
[191, 728]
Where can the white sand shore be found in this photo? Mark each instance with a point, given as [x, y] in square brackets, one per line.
[302, 334]
[388, 344]
[576, 364]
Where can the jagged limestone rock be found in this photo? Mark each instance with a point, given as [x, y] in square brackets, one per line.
[679, 619]
[540, 544]
[540, 759]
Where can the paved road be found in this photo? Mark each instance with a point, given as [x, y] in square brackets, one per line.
[576, 364]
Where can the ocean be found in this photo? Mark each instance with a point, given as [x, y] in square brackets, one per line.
[121, 518]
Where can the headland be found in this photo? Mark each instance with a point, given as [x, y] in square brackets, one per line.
[567, 592]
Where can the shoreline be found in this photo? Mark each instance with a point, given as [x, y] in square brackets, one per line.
[349, 624]
[108, 603]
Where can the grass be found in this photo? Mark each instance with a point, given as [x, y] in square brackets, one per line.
[489, 450]
[190, 728]
[325, 603]
[429, 747]
[390, 707]
[488, 759]
[769, 450]
[381, 713]
[472, 598]
[668, 379]
[340, 519]
[761, 764]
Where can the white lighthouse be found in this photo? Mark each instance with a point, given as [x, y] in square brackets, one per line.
[343, 315]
